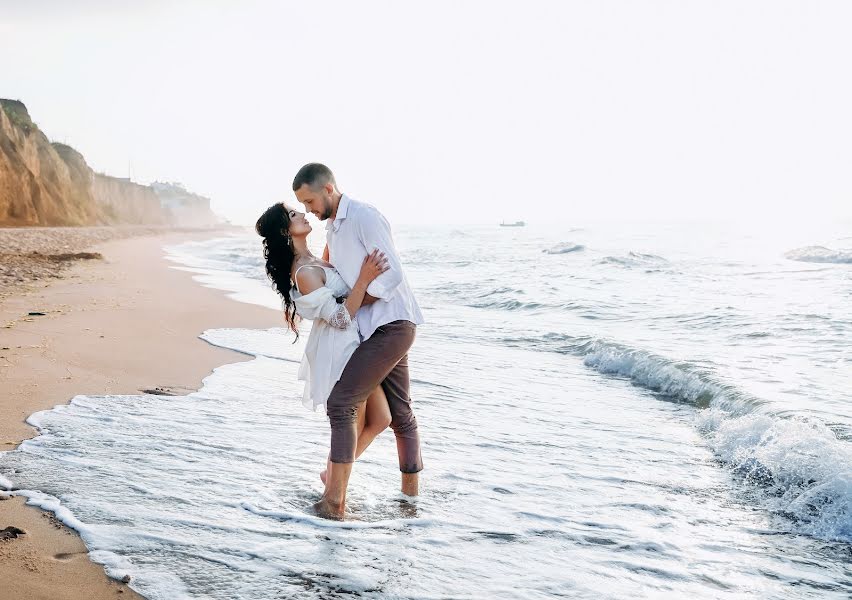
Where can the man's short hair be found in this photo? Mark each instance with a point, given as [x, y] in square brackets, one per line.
[314, 175]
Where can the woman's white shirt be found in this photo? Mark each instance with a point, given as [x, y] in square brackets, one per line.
[333, 338]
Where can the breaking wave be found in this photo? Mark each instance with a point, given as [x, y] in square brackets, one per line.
[796, 465]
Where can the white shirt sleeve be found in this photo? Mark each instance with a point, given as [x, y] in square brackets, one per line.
[321, 304]
[374, 232]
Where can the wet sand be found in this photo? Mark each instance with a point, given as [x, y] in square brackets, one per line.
[120, 324]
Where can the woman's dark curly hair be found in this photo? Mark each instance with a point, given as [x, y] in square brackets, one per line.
[273, 226]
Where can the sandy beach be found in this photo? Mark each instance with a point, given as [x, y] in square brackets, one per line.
[120, 323]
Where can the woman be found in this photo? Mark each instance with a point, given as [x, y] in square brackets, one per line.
[313, 289]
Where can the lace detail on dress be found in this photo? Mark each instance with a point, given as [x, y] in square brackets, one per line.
[340, 318]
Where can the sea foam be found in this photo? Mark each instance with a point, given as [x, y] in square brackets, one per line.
[803, 470]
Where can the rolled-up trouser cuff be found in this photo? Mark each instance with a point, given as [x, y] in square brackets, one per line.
[408, 446]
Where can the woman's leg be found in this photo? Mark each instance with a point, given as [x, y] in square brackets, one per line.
[377, 418]
[373, 418]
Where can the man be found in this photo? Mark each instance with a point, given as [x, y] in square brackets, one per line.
[387, 322]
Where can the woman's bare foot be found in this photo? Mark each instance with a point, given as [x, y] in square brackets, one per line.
[327, 510]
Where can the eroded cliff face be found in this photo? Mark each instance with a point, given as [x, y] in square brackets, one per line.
[37, 185]
[44, 183]
[126, 202]
[186, 208]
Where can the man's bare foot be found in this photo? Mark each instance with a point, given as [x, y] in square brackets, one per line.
[411, 484]
[327, 510]
[408, 510]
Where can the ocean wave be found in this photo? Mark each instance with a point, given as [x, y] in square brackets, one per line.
[584, 309]
[481, 293]
[820, 254]
[564, 248]
[508, 304]
[801, 468]
[500, 297]
[798, 466]
[634, 259]
[679, 381]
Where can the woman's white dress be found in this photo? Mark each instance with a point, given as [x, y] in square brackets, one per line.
[333, 338]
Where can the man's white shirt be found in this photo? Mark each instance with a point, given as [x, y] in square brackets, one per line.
[358, 229]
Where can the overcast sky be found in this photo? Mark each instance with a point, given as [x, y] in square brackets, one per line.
[454, 111]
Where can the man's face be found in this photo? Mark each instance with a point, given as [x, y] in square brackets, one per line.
[316, 201]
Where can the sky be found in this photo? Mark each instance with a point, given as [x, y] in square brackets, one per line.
[454, 112]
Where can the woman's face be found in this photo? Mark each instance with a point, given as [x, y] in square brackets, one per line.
[299, 225]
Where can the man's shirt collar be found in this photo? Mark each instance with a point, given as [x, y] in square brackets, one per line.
[342, 211]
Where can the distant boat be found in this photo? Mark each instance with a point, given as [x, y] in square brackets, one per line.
[515, 224]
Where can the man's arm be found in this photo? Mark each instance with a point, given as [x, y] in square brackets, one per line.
[375, 233]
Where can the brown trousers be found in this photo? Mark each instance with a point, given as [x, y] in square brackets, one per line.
[380, 360]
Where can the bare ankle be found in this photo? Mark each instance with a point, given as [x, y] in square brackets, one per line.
[410, 484]
[329, 510]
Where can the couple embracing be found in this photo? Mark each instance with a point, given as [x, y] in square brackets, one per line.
[364, 320]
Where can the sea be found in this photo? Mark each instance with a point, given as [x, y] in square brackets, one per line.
[607, 410]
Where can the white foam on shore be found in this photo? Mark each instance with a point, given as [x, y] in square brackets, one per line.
[6, 484]
[314, 521]
[206, 495]
[159, 586]
[275, 342]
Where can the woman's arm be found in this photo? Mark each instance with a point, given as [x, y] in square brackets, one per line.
[312, 278]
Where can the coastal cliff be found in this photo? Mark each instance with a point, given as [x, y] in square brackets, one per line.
[44, 183]
[37, 186]
[185, 207]
[126, 202]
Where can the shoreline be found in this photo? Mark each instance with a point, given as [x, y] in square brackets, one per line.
[118, 325]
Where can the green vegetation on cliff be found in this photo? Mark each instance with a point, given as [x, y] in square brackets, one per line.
[18, 114]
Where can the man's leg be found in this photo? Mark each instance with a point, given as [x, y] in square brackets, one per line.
[369, 365]
[360, 423]
[397, 389]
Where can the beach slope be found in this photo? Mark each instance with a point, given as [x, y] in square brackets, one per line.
[121, 324]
